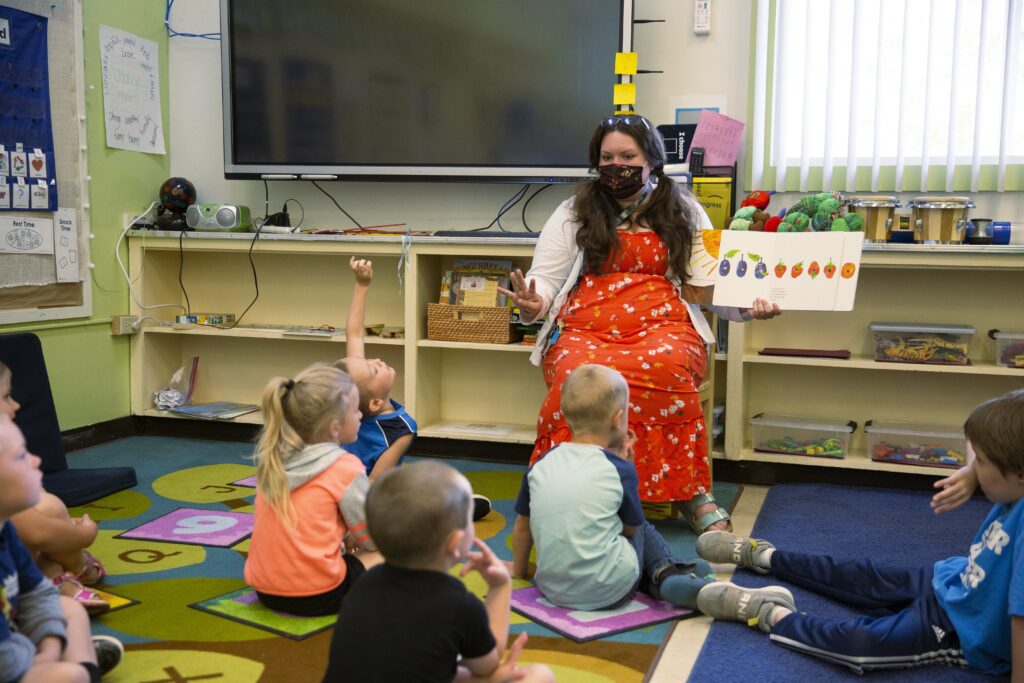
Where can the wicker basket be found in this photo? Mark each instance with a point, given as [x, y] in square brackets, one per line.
[482, 324]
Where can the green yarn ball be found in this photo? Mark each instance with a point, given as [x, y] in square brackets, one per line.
[855, 222]
[840, 225]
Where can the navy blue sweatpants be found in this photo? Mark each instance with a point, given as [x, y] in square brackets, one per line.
[905, 625]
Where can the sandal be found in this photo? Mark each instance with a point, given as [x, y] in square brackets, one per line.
[70, 586]
[92, 571]
[701, 524]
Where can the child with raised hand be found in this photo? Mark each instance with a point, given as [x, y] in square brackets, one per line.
[309, 495]
[387, 430]
[580, 503]
[962, 611]
[56, 540]
[409, 619]
[44, 637]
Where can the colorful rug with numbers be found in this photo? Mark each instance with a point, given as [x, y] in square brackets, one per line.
[174, 548]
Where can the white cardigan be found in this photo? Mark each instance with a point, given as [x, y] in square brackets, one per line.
[558, 262]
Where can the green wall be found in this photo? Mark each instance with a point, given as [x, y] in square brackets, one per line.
[89, 368]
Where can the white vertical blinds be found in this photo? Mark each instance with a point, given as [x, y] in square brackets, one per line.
[903, 89]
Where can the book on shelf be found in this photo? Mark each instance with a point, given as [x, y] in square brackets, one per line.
[218, 410]
[475, 282]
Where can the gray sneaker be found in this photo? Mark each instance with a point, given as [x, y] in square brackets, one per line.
[109, 652]
[752, 606]
[724, 547]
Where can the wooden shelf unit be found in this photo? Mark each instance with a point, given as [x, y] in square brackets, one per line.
[978, 287]
[488, 392]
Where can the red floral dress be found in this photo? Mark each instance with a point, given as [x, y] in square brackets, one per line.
[630, 318]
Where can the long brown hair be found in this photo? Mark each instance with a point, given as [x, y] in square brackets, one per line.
[666, 211]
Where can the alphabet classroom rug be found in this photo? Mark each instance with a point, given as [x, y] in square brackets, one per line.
[168, 580]
[892, 527]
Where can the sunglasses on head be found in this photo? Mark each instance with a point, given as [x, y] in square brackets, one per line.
[628, 119]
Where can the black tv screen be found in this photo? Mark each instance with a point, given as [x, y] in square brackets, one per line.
[417, 89]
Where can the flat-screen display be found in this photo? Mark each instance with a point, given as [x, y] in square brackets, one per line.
[417, 89]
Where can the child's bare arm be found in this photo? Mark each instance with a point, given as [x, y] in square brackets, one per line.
[389, 458]
[522, 544]
[355, 324]
[955, 490]
[497, 602]
[43, 533]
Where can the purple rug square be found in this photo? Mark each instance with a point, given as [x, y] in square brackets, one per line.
[248, 481]
[194, 526]
[581, 626]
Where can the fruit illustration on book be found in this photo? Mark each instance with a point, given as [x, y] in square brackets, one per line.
[741, 267]
[814, 269]
[848, 270]
[723, 267]
[830, 269]
[780, 269]
[797, 270]
[761, 270]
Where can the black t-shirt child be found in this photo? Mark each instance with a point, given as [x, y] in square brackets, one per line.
[407, 625]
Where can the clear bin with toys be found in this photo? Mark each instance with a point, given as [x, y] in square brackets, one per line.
[916, 444]
[1009, 348]
[793, 435]
[922, 343]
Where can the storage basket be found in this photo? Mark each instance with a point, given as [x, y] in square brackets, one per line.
[481, 324]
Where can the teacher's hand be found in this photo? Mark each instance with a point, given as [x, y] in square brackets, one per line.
[762, 310]
[525, 297]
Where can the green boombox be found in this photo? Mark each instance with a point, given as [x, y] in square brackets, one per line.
[218, 217]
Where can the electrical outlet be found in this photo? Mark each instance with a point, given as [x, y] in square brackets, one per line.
[143, 222]
[124, 324]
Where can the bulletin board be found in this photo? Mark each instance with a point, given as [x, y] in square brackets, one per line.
[44, 253]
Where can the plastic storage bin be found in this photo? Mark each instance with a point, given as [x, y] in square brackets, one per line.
[1009, 348]
[922, 343]
[916, 444]
[801, 435]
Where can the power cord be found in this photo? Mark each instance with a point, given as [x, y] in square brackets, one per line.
[124, 270]
[171, 33]
[527, 203]
[336, 203]
[505, 208]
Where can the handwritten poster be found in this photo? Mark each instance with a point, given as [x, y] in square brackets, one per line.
[131, 92]
[65, 245]
[26, 236]
[719, 135]
[807, 271]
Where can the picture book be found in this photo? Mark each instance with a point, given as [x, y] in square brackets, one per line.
[803, 271]
[475, 282]
[219, 410]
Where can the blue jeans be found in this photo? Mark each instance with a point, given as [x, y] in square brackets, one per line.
[656, 559]
[906, 626]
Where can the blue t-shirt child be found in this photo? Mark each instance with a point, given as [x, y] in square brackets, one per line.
[981, 592]
[378, 432]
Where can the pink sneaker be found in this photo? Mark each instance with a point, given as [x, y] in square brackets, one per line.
[73, 588]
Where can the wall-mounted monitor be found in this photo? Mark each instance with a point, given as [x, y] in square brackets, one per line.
[472, 90]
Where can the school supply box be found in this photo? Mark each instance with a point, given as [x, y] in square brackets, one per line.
[794, 435]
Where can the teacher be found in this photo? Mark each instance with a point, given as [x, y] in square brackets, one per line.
[612, 273]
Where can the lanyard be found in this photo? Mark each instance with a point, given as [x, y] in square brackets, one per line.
[628, 211]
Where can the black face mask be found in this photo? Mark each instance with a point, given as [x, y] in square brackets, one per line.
[620, 180]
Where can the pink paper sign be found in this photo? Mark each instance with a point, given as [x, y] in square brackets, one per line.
[719, 136]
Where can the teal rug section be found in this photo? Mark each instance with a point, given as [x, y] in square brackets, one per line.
[199, 473]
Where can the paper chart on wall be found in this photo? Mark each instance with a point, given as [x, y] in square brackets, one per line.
[65, 245]
[815, 271]
[26, 236]
[131, 92]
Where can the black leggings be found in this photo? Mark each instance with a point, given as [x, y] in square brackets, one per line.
[321, 604]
